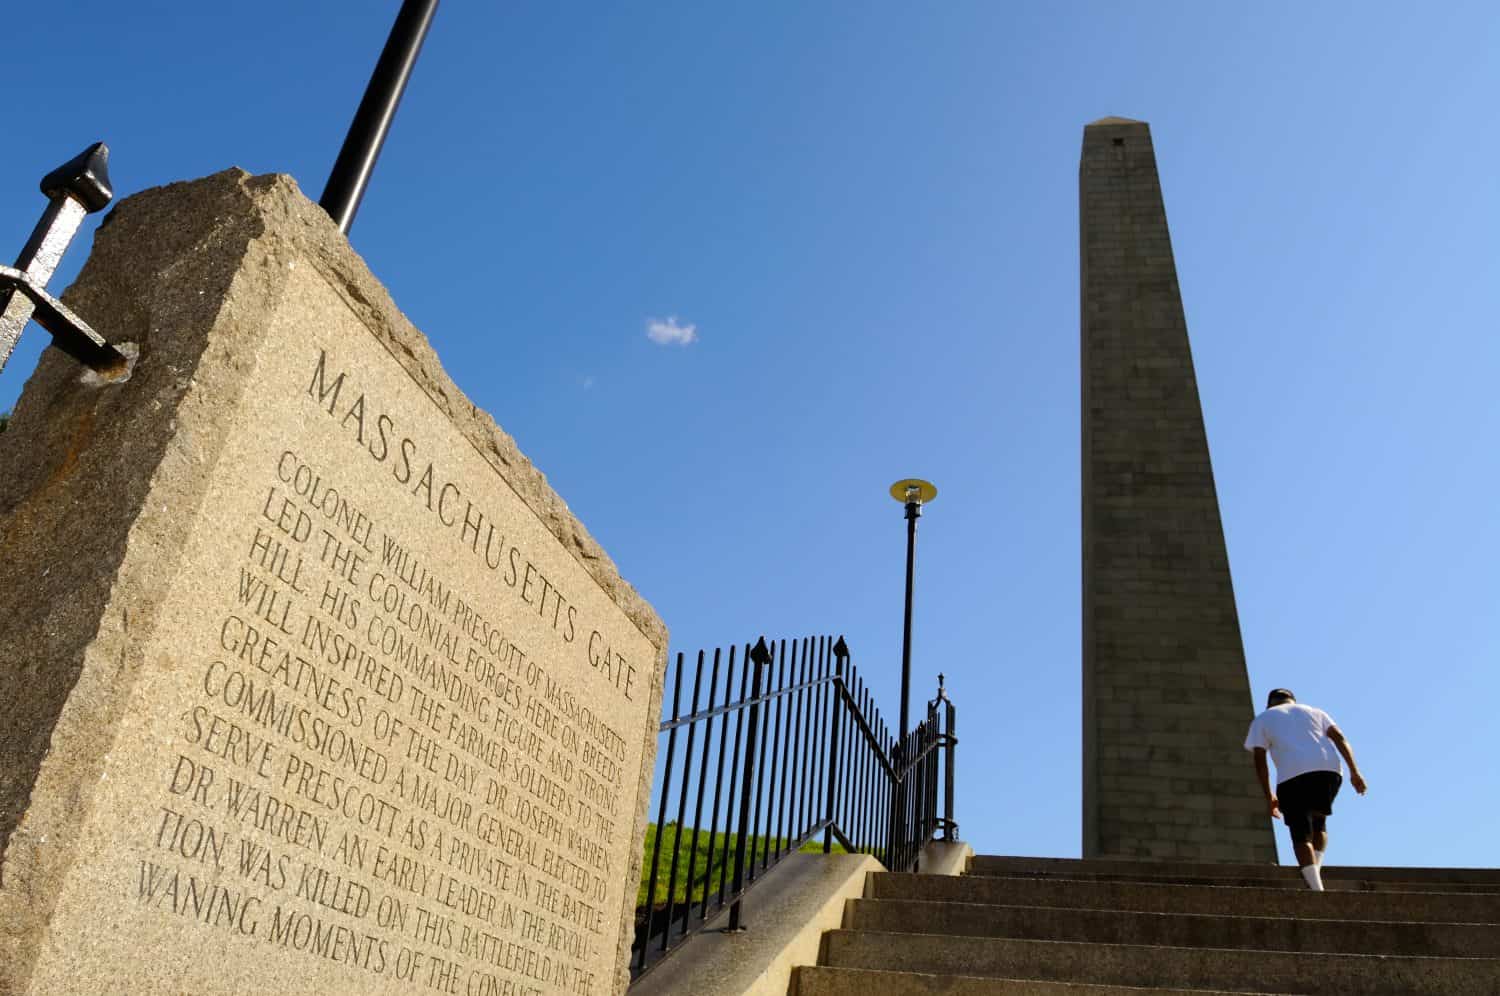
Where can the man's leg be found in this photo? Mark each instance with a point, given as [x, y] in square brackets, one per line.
[1330, 782]
[1319, 838]
[1299, 826]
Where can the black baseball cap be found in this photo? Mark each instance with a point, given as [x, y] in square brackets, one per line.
[1278, 696]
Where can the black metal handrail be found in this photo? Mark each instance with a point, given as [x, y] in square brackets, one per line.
[809, 756]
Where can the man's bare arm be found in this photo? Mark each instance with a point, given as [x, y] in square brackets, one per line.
[1264, 773]
[1342, 743]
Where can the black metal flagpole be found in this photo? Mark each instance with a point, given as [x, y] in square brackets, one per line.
[356, 161]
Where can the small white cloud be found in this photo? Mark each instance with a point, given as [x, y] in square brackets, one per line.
[587, 381]
[668, 332]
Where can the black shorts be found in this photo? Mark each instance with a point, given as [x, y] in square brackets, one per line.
[1306, 801]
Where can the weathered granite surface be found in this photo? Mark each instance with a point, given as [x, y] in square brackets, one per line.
[309, 684]
[1166, 697]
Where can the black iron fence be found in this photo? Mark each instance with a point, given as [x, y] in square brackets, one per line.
[768, 749]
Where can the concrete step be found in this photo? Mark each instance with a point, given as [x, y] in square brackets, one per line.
[1155, 897]
[1263, 876]
[1292, 883]
[1263, 933]
[822, 981]
[1161, 967]
[1012, 867]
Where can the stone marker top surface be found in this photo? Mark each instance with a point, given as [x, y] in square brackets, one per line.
[1112, 120]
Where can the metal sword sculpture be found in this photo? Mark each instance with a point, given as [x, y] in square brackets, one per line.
[78, 187]
[81, 186]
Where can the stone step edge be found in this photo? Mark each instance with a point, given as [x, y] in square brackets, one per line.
[897, 936]
[1480, 876]
[1157, 897]
[1423, 924]
[1293, 882]
[1169, 883]
[880, 981]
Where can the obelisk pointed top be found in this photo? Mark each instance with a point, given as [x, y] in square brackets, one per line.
[1112, 120]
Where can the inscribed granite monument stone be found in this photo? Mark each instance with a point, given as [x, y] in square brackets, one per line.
[1166, 697]
[310, 683]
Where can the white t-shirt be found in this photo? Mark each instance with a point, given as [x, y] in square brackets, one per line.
[1297, 738]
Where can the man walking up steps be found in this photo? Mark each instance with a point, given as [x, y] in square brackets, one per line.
[1305, 746]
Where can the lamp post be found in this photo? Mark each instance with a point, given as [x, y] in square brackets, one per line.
[914, 493]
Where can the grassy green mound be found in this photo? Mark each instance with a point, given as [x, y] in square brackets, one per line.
[704, 874]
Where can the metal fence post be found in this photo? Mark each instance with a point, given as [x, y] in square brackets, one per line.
[661, 812]
[893, 847]
[935, 731]
[836, 706]
[760, 657]
[917, 821]
[950, 828]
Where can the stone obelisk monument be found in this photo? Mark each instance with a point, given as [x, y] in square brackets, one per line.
[1166, 698]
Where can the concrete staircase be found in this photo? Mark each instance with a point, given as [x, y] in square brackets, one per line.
[1062, 927]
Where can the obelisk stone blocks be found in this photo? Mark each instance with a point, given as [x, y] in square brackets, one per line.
[310, 683]
[1166, 695]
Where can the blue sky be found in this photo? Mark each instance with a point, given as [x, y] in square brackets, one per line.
[867, 212]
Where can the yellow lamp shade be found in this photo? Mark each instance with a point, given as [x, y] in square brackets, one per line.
[913, 489]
